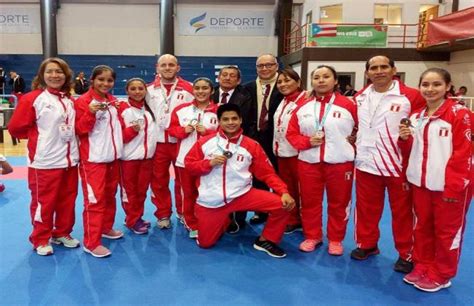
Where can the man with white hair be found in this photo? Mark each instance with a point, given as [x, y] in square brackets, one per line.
[163, 96]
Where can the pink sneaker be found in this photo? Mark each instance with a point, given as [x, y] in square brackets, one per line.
[415, 276]
[429, 285]
[309, 245]
[113, 234]
[335, 248]
[99, 252]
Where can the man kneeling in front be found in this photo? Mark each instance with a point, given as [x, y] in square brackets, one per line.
[224, 164]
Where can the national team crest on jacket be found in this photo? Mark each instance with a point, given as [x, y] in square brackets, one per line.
[213, 120]
[336, 114]
[443, 132]
[240, 158]
[395, 107]
[180, 97]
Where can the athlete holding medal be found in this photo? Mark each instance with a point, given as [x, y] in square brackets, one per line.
[319, 129]
[163, 95]
[225, 183]
[189, 122]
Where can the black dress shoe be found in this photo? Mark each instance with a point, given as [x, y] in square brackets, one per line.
[362, 254]
[403, 266]
[258, 218]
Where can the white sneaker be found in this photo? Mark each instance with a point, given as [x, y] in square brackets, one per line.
[164, 223]
[67, 241]
[44, 250]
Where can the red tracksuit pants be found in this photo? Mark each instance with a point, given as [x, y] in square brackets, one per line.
[135, 178]
[213, 222]
[370, 193]
[337, 179]
[189, 195]
[438, 232]
[287, 170]
[99, 185]
[165, 156]
[53, 198]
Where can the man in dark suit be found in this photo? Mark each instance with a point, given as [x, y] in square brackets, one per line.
[230, 91]
[81, 85]
[265, 100]
[17, 83]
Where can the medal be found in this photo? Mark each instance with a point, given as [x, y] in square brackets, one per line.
[319, 134]
[193, 122]
[227, 154]
[406, 122]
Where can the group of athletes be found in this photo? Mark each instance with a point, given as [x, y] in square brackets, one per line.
[231, 144]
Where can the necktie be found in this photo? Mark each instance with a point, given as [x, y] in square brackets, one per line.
[224, 97]
[263, 121]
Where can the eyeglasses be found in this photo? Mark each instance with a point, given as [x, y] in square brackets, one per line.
[267, 66]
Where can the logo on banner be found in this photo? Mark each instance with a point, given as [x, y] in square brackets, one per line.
[196, 22]
[395, 108]
[443, 132]
[336, 114]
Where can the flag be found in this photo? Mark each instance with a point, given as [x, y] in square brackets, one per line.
[323, 30]
[443, 132]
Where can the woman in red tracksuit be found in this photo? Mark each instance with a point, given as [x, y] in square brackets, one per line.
[288, 83]
[319, 129]
[100, 147]
[438, 141]
[45, 116]
[136, 164]
[189, 122]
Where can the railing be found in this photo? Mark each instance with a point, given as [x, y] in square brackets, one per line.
[398, 35]
[467, 101]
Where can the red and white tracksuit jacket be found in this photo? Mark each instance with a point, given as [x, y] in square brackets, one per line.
[136, 164]
[228, 188]
[100, 147]
[439, 167]
[52, 161]
[183, 115]
[329, 165]
[380, 165]
[286, 154]
[163, 99]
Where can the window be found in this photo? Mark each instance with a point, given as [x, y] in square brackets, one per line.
[331, 14]
[388, 14]
[309, 17]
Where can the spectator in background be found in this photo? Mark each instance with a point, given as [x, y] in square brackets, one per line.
[17, 83]
[462, 91]
[80, 84]
[2, 81]
[350, 91]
